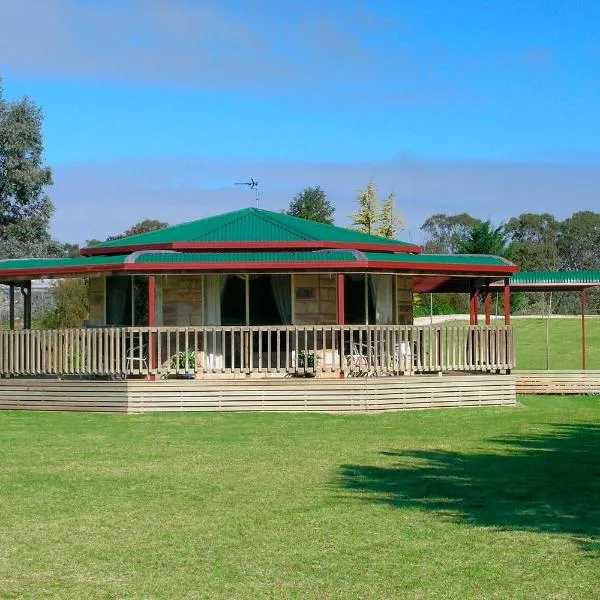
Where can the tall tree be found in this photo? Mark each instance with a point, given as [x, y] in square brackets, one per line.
[484, 238]
[366, 218]
[144, 226]
[579, 241]
[535, 241]
[70, 304]
[312, 204]
[444, 233]
[390, 223]
[25, 209]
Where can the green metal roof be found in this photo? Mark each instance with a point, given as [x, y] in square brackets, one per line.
[225, 258]
[58, 263]
[475, 260]
[250, 225]
[161, 260]
[556, 278]
[545, 281]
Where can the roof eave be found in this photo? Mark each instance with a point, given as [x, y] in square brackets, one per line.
[253, 246]
[495, 271]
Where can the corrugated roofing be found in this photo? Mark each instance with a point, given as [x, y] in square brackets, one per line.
[58, 263]
[556, 278]
[244, 257]
[250, 225]
[40, 267]
[476, 260]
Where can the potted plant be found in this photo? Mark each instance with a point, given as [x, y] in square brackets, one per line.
[306, 360]
[183, 361]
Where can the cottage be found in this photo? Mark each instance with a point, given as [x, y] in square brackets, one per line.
[254, 293]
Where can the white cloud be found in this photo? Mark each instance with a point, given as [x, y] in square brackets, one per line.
[96, 200]
[192, 44]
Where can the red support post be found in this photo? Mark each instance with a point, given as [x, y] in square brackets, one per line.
[341, 317]
[473, 307]
[152, 323]
[583, 328]
[506, 302]
[488, 305]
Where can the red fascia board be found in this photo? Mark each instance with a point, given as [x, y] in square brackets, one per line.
[10, 275]
[254, 246]
[445, 268]
[264, 266]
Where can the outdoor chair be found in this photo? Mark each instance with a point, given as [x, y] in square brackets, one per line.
[136, 359]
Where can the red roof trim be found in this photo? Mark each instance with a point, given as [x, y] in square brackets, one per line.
[254, 246]
[266, 266]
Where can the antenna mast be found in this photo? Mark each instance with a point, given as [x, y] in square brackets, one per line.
[253, 185]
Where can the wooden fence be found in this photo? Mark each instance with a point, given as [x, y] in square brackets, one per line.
[271, 351]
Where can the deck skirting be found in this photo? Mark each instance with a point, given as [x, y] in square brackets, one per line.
[365, 394]
[558, 382]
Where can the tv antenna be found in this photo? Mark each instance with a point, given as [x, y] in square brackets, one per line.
[253, 185]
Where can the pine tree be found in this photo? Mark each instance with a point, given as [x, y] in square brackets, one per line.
[367, 216]
[389, 222]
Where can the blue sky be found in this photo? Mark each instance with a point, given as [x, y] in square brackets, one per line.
[154, 108]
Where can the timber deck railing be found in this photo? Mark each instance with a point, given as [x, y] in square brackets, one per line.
[117, 352]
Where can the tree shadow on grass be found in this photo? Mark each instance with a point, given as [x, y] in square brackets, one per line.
[546, 483]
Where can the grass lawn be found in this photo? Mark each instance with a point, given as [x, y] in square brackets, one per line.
[564, 341]
[482, 503]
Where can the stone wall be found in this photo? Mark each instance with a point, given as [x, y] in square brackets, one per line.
[182, 300]
[315, 299]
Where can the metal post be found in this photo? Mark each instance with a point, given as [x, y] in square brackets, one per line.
[29, 303]
[583, 328]
[11, 305]
[506, 302]
[431, 309]
[26, 294]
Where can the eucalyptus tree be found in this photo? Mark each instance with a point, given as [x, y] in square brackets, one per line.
[312, 204]
[25, 208]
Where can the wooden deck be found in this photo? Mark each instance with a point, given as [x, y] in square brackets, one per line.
[358, 395]
[558, 382]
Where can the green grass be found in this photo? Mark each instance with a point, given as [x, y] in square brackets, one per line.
[486, 503]
[564, 342]
[564, 337]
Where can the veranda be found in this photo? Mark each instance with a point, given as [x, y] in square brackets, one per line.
[254, 294]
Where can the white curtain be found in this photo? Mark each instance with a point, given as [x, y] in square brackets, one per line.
[214, 285]
[213, 291]
[384, 309]
[282, 291]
